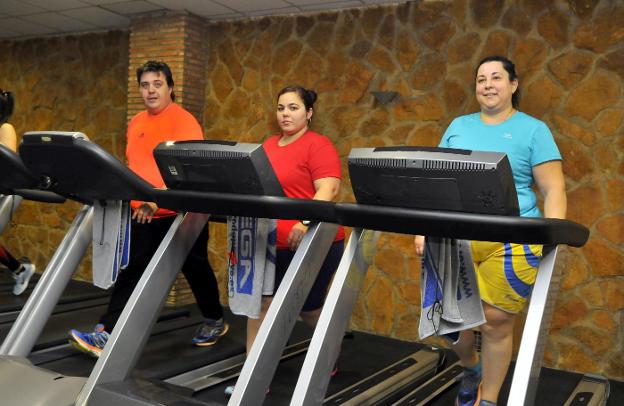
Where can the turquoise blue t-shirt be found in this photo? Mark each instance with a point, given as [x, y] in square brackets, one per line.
[527, 142]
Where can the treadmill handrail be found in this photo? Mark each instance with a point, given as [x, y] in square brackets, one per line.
[116, 181]
[104, 177]
[481, 227]
[40, 195]
[10, 163]
[101, 176]
[246, 205]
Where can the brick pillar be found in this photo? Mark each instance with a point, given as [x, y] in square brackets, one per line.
[177, 39]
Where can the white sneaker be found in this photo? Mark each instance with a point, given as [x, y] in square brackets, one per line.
[22, 278]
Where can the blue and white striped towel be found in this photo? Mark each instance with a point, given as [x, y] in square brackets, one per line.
[111, 241]
[449, 289]
[251, 263]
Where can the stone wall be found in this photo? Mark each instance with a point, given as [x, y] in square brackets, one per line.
[72, 83]
[570, 57]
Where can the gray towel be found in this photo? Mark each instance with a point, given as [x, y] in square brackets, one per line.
[111, 241]
[449, 289]
[365, 254]
[251, 263]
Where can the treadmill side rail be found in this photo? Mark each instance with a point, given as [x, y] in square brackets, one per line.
[30, 323]
[33, 386]
[8, 205]
[425, 393]
[535, 333]
[325, 345]
[379, 387]
[140, 313]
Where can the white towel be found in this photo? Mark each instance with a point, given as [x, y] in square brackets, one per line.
[111, 241]
[449, 289]
[251, 264]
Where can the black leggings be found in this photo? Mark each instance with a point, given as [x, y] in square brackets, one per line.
[316, 297]
[144, 240]
[8, 260]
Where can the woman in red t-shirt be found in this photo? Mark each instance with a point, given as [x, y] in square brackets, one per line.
[308, 167]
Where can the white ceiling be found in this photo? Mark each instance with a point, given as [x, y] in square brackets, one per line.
[35, 18]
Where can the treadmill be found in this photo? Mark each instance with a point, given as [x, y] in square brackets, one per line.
[40, 330]
[22, 185]
[125, 185]
[28, 326]
[105, 385]
[412, 168]
[121, 353]
[503, 225]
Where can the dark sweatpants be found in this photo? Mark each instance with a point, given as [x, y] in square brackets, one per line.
[144, 241]
[8, 260]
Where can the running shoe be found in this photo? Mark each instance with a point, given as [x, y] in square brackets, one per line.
[470, 387]
[90, 342]
[210, 332]
[22, 276]
[230, 389]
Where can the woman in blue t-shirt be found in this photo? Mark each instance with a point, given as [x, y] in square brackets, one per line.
[505, 272]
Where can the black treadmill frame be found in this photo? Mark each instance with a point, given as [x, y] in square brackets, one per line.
[258, 370]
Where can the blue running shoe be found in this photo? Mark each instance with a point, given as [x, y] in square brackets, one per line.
[210, 332]
[92, 343]
[470, 387]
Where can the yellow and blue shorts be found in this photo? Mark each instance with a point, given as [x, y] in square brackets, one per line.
[505, 272]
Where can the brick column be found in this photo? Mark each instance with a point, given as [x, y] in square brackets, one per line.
[177, 39]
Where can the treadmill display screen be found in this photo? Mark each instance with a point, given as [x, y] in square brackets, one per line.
[217, 166]
[434, 179]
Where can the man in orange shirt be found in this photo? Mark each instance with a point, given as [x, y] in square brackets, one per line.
[162, 120]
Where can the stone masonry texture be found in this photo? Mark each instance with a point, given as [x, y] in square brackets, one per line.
[570, 58]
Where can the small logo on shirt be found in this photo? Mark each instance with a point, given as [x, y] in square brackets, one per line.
[141, 135]
[507, 136]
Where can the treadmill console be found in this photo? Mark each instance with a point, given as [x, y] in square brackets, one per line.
[217, 166]
[69, 164]
[20, 177]
[434, 179]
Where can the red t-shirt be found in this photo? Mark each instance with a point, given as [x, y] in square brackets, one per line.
[297, 165]
[146, 131]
